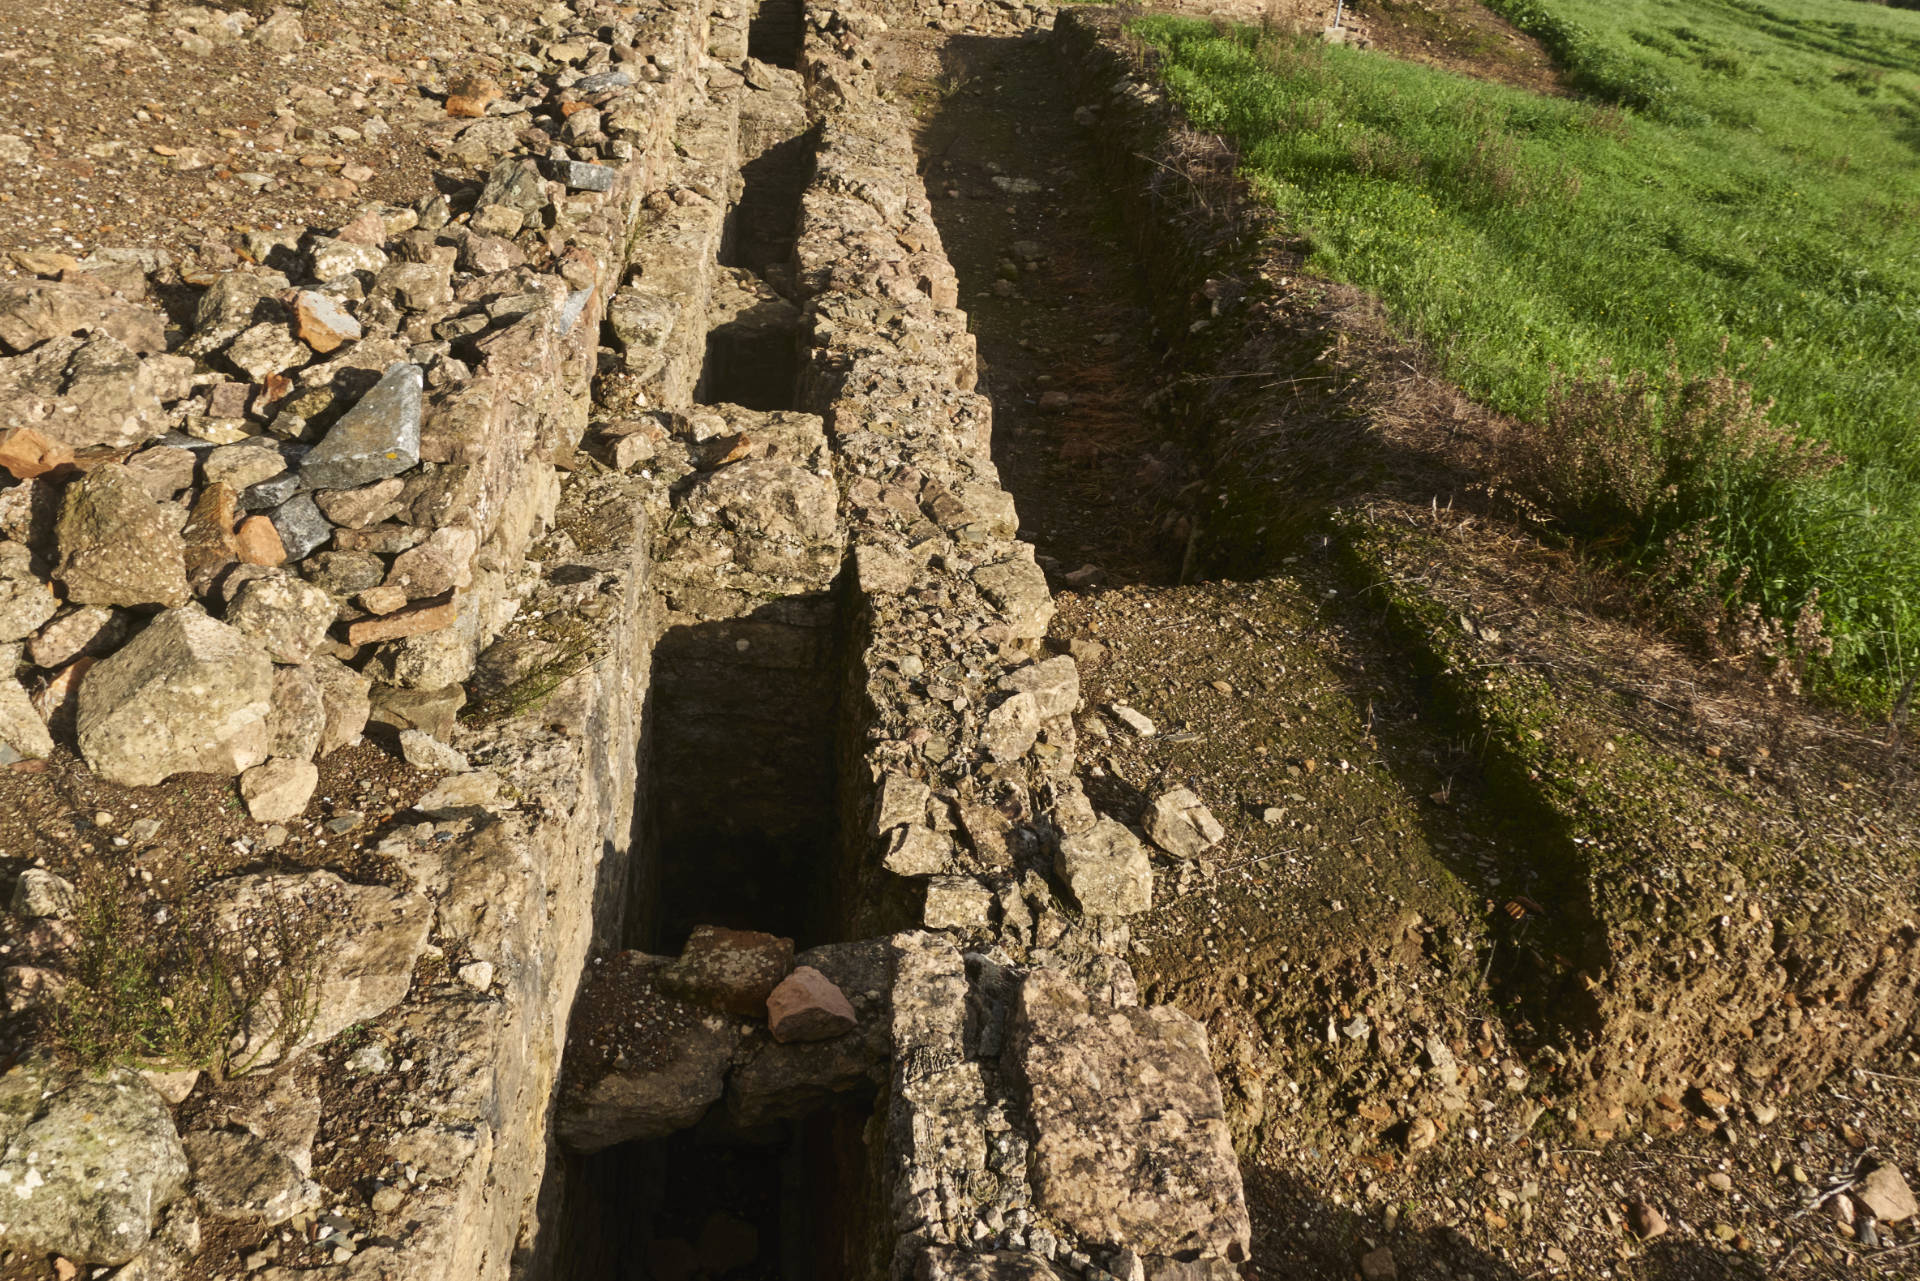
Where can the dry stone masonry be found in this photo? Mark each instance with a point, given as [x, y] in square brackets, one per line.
[653, 433]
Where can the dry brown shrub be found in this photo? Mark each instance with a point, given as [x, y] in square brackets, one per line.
[1691, 480]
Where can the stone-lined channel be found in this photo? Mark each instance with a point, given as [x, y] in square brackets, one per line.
[856, 747]
[735, 817]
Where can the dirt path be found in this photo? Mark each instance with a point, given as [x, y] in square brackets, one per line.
[1065, 340]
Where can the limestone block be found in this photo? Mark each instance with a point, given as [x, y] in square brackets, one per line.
[1107, 869]
[369, 938]
[345, 703]
[1113, 1160]
[956, 902]
[117, 545]
[287, 615]
[1054, 684]
[26, 600]
[731, 970]
[278, 790]
[23, 735]
[186, 694]
[918, 851]
[81, 392]
[87, 1164]
[299, 716]
[902, 799]
[675, 1072]
[238, 1176]
[1011, 728]
[1181, 824]
[1018, 589]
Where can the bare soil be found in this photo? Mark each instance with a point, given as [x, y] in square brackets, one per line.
[160, 127]
[194, 828]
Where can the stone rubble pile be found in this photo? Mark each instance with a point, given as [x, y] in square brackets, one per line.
[736, 1016]
[329, 477]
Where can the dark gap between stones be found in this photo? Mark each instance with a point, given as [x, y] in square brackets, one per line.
[754, 365]
[781, 1203]
[773, 35]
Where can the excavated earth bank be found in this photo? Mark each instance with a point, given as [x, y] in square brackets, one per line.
[780, 881]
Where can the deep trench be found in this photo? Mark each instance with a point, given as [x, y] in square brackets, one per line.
[753, 356]
[773, 35]
[737, 826]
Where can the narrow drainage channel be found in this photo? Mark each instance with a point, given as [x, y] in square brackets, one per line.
[753, 338]
[715, 1202]
[736, 815]
[753, 348]
[739, 804]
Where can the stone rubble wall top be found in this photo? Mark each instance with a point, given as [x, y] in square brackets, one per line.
[1039, 1122]
[351, 458]
[345, 454]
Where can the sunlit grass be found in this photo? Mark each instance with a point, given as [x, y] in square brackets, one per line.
[1738, 189]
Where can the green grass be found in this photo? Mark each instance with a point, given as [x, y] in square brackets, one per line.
[1738, 188]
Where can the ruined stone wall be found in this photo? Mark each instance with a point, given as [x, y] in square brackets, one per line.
[341, 483]
[659, 441]
[960, 804]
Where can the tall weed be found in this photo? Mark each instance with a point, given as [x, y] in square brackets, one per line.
[1688, 478]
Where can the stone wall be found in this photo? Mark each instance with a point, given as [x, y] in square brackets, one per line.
[340, 482]
[959, 804]
[864, 536]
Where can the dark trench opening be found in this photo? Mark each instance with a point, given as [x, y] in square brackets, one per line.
[757, 366]
[739, 821]
[737, 826]
[773, 34]
[764, 222]
[780, 1203]
[753, 344]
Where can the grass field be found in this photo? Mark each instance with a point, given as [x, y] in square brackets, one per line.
[1736, 185]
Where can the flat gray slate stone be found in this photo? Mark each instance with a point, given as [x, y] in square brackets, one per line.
[377, 438]
[302, 526]
[605, 80]
[578, 175]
